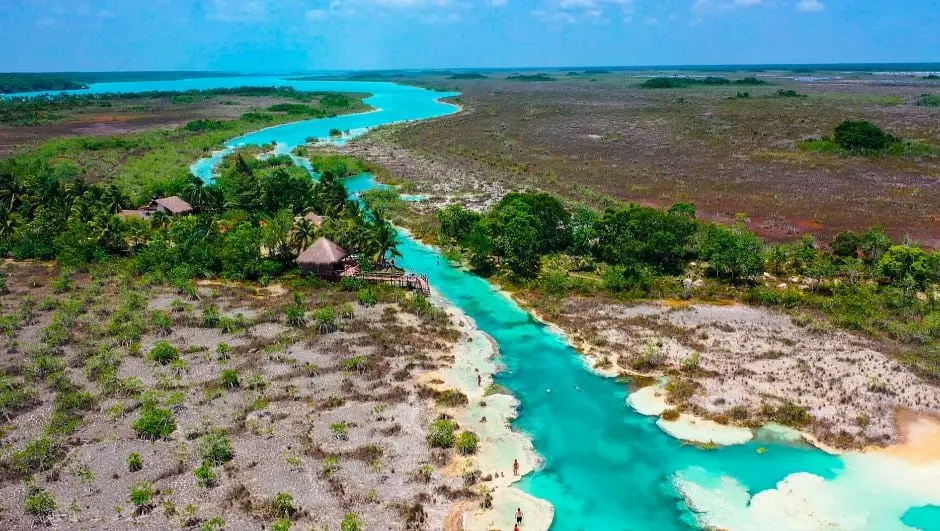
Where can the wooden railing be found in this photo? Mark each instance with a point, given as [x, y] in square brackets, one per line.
[418, 283]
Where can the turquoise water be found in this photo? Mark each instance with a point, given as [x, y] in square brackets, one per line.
[926, 517]
[605, 466]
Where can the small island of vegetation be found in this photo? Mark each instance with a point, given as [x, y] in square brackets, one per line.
[686, 82]
[530, 77]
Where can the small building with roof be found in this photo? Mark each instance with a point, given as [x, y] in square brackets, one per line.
[324, 259]
[171, 206]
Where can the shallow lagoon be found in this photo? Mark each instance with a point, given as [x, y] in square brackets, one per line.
[605, 465]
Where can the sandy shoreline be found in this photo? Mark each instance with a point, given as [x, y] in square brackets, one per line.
[487, 415]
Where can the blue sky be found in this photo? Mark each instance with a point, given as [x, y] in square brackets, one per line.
[301, 35]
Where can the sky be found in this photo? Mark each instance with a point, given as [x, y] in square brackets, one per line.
[311, 35]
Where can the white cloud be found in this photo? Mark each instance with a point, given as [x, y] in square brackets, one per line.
[314, 15]
[594, 11]
[701, 6]
[810, 6]
[237, 11]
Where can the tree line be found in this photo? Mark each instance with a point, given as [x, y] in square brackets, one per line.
[638, 243]
[248, 223]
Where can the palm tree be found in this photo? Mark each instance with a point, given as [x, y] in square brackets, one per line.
[384, 239]
[303, 234]
[9, 221]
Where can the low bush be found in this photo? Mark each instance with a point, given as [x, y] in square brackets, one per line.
[216, 448]
[163, 353]
[467, 443]
[41, 504]
[441, 433]
[134, 462]
[205, 476]
[155, 423]
[861, 135]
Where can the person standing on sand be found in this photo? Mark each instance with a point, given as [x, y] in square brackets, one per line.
[518, 517]
[479, 380]
[515, 467]
[515, 527]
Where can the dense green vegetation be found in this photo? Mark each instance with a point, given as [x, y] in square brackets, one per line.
[33, 110]
[27, 82]
[247, 224]
[34, 82]
[929, 100]
[862, 281]
[685, 82]
[861, 137]
[530, 77]
[468, 75]
[153, 162]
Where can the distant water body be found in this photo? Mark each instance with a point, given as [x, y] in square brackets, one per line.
[606, 467]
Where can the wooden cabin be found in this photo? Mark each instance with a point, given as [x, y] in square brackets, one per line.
[324, 259]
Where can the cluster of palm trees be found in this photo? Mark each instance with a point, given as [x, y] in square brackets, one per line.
[41, 206]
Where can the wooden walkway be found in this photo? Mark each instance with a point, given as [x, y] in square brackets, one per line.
[417, 283]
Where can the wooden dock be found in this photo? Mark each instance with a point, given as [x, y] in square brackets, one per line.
[410, 281]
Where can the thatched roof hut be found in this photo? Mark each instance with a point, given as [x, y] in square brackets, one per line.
[323, 258]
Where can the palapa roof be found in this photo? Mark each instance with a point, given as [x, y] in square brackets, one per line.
[175, 205]
[322, 252]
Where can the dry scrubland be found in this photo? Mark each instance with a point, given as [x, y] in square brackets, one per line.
[603, 140]
[748, 366]
[116, 116]
[297, 422]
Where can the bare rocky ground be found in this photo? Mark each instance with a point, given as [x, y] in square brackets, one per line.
[335, 421]
[738, 364]
[476, 187]
[605, 140]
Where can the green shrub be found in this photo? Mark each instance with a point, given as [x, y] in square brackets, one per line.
[155, 423]
[282, 505]
[141, 493]
[670, 414]
[205, 475]
[340, 430]
[210, 317]
[40, 503]
[441, 433]
[366, 297]
[467, 443]
[861, 135]
[38, 456]
[929, 100]
[351, 284]
[163, 353]
[326, 319]
[295, 315]
[230, 378]
[134, 462]
[351, 522]
[281, 524]
[792, 415]
[451, 398]
[216, 523]
[216, 448]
